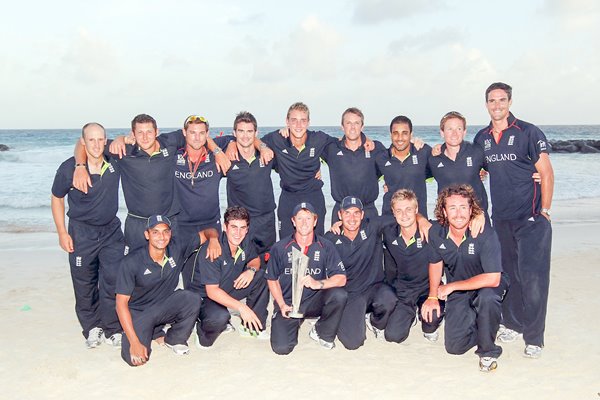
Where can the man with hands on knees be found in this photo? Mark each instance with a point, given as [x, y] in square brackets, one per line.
[225, 280]
[475, 285]
[323, 294]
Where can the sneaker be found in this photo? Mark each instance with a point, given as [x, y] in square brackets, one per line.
[94, 338]
[379, 333]
[487, 364]
[114, 340]
[315, 336]
[506, 335]
[199, 345]
[179, 349]
[251, 333]
[532, 351]
[433, 336]
[229, 328]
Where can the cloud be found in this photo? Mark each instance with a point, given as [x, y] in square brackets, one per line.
[89, 60]
[375, 11]
[573, 15]
[427, 41]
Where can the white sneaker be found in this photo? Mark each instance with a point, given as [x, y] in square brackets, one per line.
[199, 345]
[229, 328]
[94, 338]
[433, 336]
[532, 351]
[251, 333]
[315, 336]
[487, 364]
[114, 340]
[507, 335]
[379, 333]
[179, 349]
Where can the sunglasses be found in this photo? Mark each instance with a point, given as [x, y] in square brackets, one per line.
[194, 118]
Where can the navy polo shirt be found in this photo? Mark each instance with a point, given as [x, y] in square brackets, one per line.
[100, 205]
[412, 262]
[324, 263]
[198, 191]
[249, 185]
[362, 257]
[353, 172]
[408, 174]
[223, 270]
[511, 162]
[464, 170]
[148, 282]
[297, 169]
[148, 180]
[472, 257]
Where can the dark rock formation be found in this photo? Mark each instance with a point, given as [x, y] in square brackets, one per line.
[4, 147]
[575, 146]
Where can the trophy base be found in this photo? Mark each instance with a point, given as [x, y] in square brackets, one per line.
[293, 314]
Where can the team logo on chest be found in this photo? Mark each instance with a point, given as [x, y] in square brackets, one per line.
[126, 251]
[207, 158]
[78, 261]
[165, 152]
[415, 160]
[363, 234]
[469, 162]
[511, 140]
[180, 159]
[172, 262]
[311, 152]
[367, 154]
[487, 144]
[419, 243]
[111, 168]
[289, 254]
[317, 255]
[243, 256]
[471, 248]
[261, 164]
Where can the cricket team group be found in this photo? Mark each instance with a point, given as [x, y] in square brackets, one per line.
[483, 278]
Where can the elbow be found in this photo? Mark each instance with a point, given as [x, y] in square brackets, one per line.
[495, 280]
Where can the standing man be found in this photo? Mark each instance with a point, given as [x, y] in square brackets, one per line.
[323, 295]
[226, 280]
[403, 166]
[197, 179]
[249, 185]
[94, 240]
[459, 161]
[475, 285]
[410, 254]
[370, 301]
[353, 169]
[515, 149]
[147, 298]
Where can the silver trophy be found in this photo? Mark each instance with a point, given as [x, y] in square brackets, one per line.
[299, 267]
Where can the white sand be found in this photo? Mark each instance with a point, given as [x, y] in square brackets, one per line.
[43, 355]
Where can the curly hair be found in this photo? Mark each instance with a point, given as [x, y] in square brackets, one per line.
[465, 191]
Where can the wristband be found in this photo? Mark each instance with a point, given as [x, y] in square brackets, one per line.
[80, 165]
[432, 298]
[322, 285]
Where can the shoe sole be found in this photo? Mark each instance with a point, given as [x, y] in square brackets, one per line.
[490, 368]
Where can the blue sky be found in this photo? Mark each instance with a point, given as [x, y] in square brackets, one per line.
[64, 63]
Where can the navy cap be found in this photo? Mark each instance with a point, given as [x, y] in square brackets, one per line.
[351, 201]
[304, 206]
[158, 219]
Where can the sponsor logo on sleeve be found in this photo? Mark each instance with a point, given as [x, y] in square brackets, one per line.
[542, 145]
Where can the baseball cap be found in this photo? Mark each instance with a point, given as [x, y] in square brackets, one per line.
[351, 201]
[304, 206]
[158, 219]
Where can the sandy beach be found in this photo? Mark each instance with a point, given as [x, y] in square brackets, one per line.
[44, 357]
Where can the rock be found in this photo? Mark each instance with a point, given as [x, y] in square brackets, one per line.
[575, 146]
[4, 147]
[588, 149]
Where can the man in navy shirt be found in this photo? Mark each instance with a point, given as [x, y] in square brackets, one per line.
[513, 150]
[370, 301]
[94, 240]
[352, 168]
[323, 295]
[226, 280]
[147, 294]
[459, 161]
[403, 165]
[249, 184]
[410, 254]
[475, 285]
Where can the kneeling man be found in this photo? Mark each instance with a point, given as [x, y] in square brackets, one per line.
[323, 295]
[147, 298]
[226, 280]
[475, 284]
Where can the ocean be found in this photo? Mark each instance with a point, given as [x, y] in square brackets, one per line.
[27, 169]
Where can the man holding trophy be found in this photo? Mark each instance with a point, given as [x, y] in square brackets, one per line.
[305, 275]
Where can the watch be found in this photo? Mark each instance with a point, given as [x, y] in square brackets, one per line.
[262, 145]
[252, 269]
[546, 211]
[217, 150]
